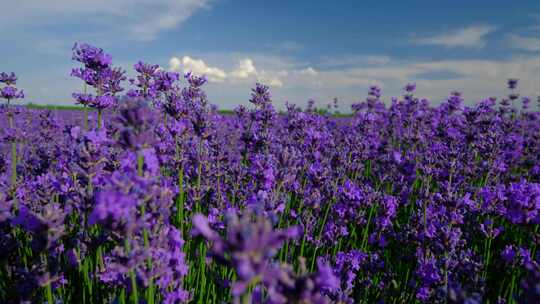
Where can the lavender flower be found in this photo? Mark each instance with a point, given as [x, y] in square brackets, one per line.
[8, 79]
[409, 88]
[512, 83]
[10, 93]
[248, 246]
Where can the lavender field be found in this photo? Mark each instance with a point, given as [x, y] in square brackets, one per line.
[150, 195]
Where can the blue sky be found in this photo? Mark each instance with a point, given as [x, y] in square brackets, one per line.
[302, 49]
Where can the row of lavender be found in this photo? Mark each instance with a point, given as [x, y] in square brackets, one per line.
[153, 197]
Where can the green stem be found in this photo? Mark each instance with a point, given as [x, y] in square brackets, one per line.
[99, 117]
[134, 294]
[366, 229]
[140, 164]
[180, 201]
[150, 291]
[48, 291]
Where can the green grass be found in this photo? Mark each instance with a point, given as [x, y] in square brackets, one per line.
[54, 107]
[224, 111]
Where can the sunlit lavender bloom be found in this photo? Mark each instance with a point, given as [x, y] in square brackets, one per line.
[112, 80]
[83, 99]
[374, 91]
[164, 81]
[146, 69]
[98, 73]
[103, 102]
[10, 93]
[87, 75]
[145, 81]
[8, 79]
[195, 81]
[92, 57]
[260, 95]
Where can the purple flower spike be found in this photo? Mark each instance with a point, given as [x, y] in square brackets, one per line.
[92, 57]
[11, 93]
[410, 87]
[99, 74]
[8, 79]
[512, 83]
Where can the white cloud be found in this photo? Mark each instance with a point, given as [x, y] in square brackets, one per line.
[469, 37]
[170, 14]
[525, 43]
[297, 82]
[244, 72]
[198, 67]
[175, 64]
[275, 82]
[309, 71]
[245, 69]
[476, 78]
[139, 19]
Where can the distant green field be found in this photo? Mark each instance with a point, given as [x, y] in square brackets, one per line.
[80, 108]
[54, 107]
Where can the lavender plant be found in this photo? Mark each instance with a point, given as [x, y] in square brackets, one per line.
[10, 93]
[99, 74]
[402, 201]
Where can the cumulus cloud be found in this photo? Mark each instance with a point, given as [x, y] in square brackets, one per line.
[468, 37]
[244, 70]
[477, 78]
[170, 14]
[138, 19]
[198, 67]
